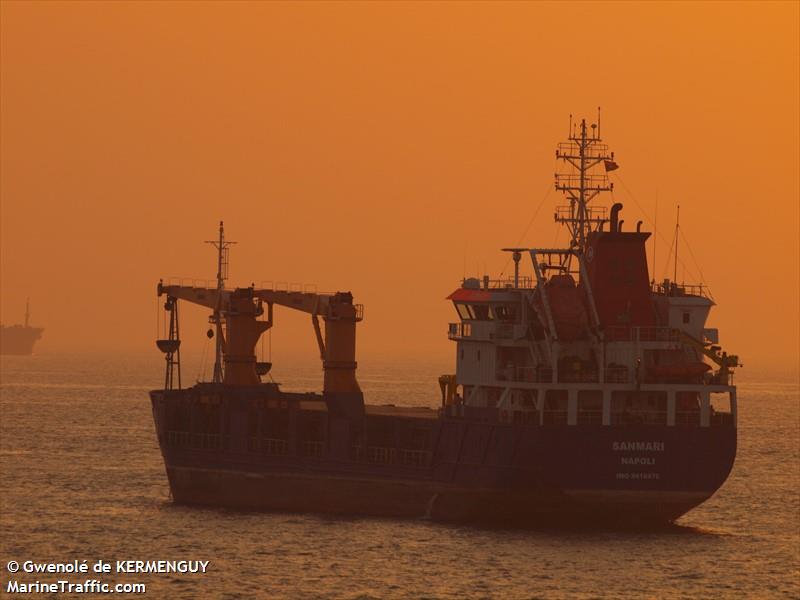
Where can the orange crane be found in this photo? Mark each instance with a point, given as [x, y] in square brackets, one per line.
[726, 362]
[240, 309]
[235, 362]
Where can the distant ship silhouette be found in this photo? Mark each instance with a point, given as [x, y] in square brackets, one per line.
[19, 339]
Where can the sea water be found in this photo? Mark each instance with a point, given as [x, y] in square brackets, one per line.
[82, 479]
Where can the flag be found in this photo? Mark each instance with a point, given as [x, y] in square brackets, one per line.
[610, 165]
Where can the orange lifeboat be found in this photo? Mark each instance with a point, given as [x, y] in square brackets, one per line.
[569, 314]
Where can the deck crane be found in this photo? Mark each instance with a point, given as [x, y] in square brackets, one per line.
[240, 308]
[726, 362]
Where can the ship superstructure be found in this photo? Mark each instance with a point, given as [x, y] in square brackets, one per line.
[590, 338]
[583, 391]
[20, 339]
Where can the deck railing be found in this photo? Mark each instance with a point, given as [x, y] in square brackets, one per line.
[617, 374]
[554, 417]
[639, 417]
[619, 333]
[670, 288]
[582, 376]
[187, 439]
[392, 456]
[311, 449]
[524, 282]
[590, 416]
[272, 446]
[191, 282]
[526, 374]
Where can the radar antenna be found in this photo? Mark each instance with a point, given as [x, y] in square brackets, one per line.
[516, 254]
[584, 151]
[216, 318]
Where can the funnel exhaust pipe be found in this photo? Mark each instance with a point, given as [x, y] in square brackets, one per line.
[615, 216]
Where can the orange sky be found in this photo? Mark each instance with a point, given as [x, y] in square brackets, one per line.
[385, 149]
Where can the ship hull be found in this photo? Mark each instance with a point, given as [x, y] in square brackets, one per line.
[329, 494]
[475, 471]
[18, 340]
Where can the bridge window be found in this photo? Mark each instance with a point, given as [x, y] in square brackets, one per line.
[482, 312]
[465, 311]
[686, 317]
[506, 313]
[479, 312]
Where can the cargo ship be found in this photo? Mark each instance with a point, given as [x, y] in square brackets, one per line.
[20, 339]
[583, 392]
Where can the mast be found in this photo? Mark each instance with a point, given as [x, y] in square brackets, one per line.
[516, 256]
[171, 346]
[584, 151]
[216, 318]
[27, 311]
[677, 228]
[655, 241]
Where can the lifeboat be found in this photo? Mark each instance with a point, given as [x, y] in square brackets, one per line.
[569, 314]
